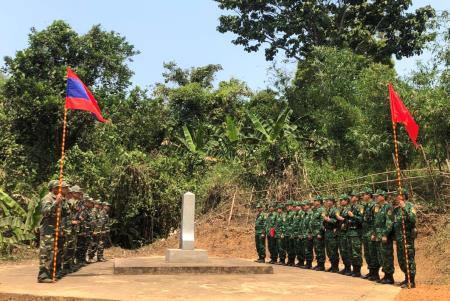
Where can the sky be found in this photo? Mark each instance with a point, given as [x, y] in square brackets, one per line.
[183, 31]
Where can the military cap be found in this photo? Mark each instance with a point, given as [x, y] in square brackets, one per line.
[257, 205]
[318, 198]
[404, 192]
[75, 189]
[307, 202]
[343, 197]
[354, 193]
[289, 203]
[280, 206]
[329, 197]
[271, 205]
[380, 192]
[108, 204]
[55, 183]
[367, 190]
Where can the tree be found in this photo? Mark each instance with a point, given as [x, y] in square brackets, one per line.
[378, 29]
[35, 86]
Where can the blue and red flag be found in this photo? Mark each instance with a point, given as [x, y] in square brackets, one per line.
[78, 96]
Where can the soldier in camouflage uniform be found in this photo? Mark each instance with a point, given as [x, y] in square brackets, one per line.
[104, 233]
[280, 234]
[270, 233]
[260, 234]
[308, 242]
[97, 226]
[331, 238]
[383, 222]
[370, 247]
[49, 206]
[317, 233]
[298, 232]
[84, 234]
[290, 233]
[341, 217]
[354, 228]
[409, 217]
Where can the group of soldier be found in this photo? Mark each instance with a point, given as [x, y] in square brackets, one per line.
[83, 229]
[358, 223]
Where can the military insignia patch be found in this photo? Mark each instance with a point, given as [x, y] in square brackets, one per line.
[323, 214]
[376, 209]
[361, 210]
[338, 213]
[389, 212]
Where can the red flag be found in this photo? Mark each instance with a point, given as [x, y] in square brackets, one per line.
[78, 96]
[401, 114]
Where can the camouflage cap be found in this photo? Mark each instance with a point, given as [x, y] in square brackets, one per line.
[380, 192]
[343, 197]
[307, 202]
[280, 206]
[329, 197]
[354, 193]
[55, 183]
[75, 189]
[289, 203]
[271, 205]
[259, 205]
[367, 190]
[403, 191]
[318, 198]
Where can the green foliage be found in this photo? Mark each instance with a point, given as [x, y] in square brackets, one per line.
[378, 29]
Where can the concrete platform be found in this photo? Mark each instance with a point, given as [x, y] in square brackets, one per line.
[97, 282]
[158, 266]
[185, 256]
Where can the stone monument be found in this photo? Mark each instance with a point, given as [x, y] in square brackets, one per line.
[187, 252]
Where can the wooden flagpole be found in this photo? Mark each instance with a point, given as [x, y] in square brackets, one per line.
[58, 206]
[399, 182]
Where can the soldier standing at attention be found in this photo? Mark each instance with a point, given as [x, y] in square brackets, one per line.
[317, 233]
[102, 236]
[279, 234]
[341, 216]
[298, 232]
[260, 233]
[355, 218]
[370, 247]
[49, 205]
[289, 233]
[409, 217]
[96, 230]
[70, 223]
[270, 233]
[309, 255]
[331, 238]
[383, 220]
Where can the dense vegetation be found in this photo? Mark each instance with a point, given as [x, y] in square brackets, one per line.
[191, 133]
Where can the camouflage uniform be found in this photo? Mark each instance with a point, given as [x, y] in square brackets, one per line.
[260, 235]
[280, 231]
[300, 239]
[370, 247]
[409, 218]
[331, 238]
[102, 236]
[308, 242]
[343, 239]
[96, 233]
[317, 234]
[84, 234]
[289, 235]
[270, 233]
[354, 228]
[383, 222]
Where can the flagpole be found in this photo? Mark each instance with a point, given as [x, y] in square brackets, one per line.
[399, 182]
[58, 206]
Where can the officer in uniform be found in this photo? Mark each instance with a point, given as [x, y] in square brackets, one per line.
[280, 224]
[298, 232]
[331, 238]
[403, 207]
[341, 216]
[355, 219]
[97, 230]
[49, 206]
[383, 223]
[290, 233]
[260, 233]
[370, 247]
[317, 233]
[102, 236]
[308, 241]
[270, 233]
[70, 229]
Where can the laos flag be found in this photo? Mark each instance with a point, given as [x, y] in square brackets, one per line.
[78, 96]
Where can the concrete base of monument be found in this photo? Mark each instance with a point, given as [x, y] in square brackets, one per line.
[186, 256]
[158, 266]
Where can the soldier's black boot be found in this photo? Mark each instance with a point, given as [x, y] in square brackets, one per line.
[375, 276]
[335, 267]
[404, 284]
[342, 272]
[348, 271]
[281, 262]
[387, 279]
[320, 267]
[308, 265]
[356, 271]
[300, 264]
